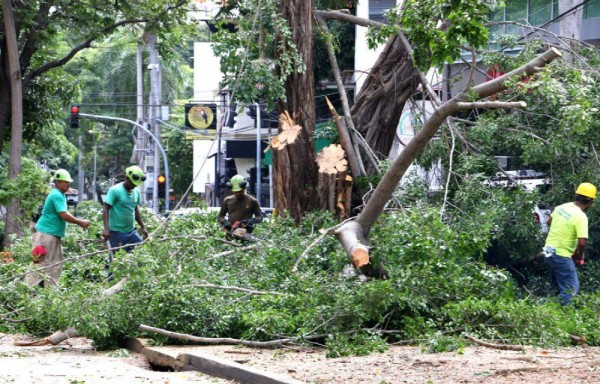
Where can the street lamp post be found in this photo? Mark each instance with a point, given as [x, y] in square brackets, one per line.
[160, 147]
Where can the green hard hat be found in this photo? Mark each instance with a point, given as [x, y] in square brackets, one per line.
[238, 183]
[61, 175]
[135, 174]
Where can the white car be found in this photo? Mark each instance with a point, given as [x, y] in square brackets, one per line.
[529, 180]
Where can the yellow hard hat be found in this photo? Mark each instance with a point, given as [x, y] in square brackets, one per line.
[587, 190]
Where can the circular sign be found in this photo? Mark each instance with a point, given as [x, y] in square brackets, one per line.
[200, 117]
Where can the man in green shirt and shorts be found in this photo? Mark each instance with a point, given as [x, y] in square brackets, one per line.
[121, 209]
[51, 227]
[566, 242]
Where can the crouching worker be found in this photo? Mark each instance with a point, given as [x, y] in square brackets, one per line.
[47, 241]
[242, 210]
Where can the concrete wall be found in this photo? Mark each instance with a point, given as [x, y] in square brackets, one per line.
[207, 73]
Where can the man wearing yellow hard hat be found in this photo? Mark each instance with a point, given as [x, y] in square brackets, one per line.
[566, 242]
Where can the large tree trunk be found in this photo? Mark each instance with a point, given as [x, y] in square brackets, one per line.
[353, 236]
[4, 102]
[14, 165]
[381, 100]
[295, 169]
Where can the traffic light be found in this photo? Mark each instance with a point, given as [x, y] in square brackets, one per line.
[75, 116]
[161, 181]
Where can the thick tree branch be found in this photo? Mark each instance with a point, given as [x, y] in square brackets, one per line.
[345, 140]
[503, 347]
[491, 104]
[216, 340]
[337, 15]
[390, 180]
[497, 85]
[342, 129]
[81, 46]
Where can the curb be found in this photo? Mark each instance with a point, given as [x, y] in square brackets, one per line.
[212, 366]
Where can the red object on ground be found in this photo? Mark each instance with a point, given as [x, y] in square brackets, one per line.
[37, 253]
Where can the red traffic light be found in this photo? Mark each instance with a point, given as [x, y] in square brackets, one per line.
[74, 108]
[161, 179]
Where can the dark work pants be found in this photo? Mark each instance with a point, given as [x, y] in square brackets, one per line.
[563, 277]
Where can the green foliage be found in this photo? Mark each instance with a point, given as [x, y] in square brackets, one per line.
[30, 187]
[260, 55]
[360, 344]
[463, 24]
[437, 290]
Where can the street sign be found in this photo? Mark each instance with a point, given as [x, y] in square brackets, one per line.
[200, 121]
[201, 116]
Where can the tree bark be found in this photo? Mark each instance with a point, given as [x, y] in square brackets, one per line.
[14, 70]
[295, 169]
[381, 100]
[356, 233]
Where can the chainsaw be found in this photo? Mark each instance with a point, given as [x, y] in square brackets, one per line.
[240, 230]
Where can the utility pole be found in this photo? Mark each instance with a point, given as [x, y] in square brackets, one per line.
[80, 171]
[141, 138]
[154, 114]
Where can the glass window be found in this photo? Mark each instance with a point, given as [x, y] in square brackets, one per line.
[495, 30]
[376, 8]
[516, 10]
[591, 9]
[540, 11]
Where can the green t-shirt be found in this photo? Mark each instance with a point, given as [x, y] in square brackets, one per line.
[121, 215]
[50, 222]
[569, 223]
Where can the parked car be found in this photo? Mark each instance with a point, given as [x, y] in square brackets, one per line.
[530, 180]
[72, 196]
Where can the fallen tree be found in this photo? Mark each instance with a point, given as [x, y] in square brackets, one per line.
[354, 236]
[192, 288]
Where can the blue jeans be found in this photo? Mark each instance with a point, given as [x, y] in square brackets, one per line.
[119, 239]
[563, 277]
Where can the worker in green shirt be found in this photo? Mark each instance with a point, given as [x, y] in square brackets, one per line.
[50, 229]
[121, 210]
[566, 242]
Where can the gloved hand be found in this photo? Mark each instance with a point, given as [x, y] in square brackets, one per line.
[578, 261]
[227, 225]
[248, 223]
